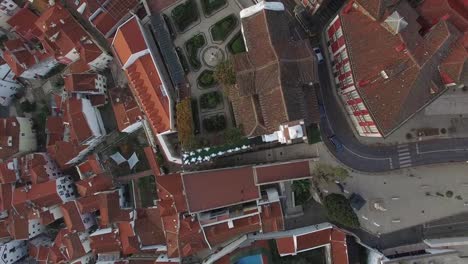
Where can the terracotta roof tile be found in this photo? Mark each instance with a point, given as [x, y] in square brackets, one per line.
[282, 172]
[72, 217]
[126, 110]
[315, 239]
[23, 23]
[148, 227]
[85, 82]
[270, 81]
[99, 183]
[434, 10]
[207, 190]
[219, 233]
[129, 40]
[285, 245]
[272, 217]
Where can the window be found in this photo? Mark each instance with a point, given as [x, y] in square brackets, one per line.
[347, 67]
[22, 134]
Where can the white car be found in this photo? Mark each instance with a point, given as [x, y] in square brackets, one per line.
[319, 55]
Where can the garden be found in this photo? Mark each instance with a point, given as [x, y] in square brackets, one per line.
[147, 191]
[214, 123]
[185, 14]
[206, 79]
[182, 59]
[237, 45]
[192, 46]
[221, 30]
[211, 100]
[211, 6]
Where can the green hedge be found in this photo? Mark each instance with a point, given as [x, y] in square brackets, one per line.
[211, 6]
[192, 46]
[221, 30]
[185, 14]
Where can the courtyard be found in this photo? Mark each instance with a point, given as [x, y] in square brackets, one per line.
[206, 33]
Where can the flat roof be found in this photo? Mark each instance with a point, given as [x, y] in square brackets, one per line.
[213, 189]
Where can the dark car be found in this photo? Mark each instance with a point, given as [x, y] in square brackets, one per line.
[337, 143]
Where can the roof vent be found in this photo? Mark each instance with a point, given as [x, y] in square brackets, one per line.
[395, 23]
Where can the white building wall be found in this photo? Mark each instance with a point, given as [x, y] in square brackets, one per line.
[27, 136]
[35, 228]
[94, 119]
[133, 127]
[8, 86]
[65, 189]
[7, 9]
[101, 62]
[12, 251]
[101, 83]
[40, 69]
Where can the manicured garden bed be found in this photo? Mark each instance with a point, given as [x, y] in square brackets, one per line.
[211, 6]
[185, 14]
[192, 46]
[214, 123]
[210, 100]
[237, 45]
[221, 30]
[206, 79]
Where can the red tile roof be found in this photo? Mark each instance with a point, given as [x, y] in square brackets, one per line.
[18, 227]
[23, 23]
[313, 240]
[129, 240]
[44, 194]
[79, 127]
[126, 110]
[88, 204]
[147, 87]
[8, 171]
[272, 217]
[283, 171]
[271, 77]
[6, 196]
[129, 40]
[110, 209]
[107, 242]
[9, 137]
[99, 183]
[219, 233]
[38, 168]
[104, 22]
[207, 190]
[72, 217]
[169, 187]
[394, 100]
[91, 166]
[286, 245]
[84, 82]
[90, 52]
[434, 10]
[74, 246]
[149, 227]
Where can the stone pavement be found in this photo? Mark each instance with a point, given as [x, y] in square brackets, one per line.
[407, 197]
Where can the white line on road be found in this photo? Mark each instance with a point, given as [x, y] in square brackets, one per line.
[403, 146]
[364, 157]
[403, 155]
[403, 162]
[441, 150]
[405, 158]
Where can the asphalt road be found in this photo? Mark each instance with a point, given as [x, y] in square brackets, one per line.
[359, 156]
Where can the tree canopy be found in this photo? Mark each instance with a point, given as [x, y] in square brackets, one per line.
[339, 210]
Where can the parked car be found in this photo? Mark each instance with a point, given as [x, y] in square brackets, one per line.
[319, 55]
[336, 142]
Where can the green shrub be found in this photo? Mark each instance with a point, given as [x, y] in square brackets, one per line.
[185, 14]
[221, 30]
[206, 79]
[210, 100]
[214, 123]
[237, 44]
[210, 6]
[184, 121]
[192, 46]
[339, 210]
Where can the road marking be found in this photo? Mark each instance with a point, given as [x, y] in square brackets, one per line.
[441, 150]
[404, 155]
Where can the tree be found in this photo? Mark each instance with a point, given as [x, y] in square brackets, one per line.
[233, 136]
[301, 189]
[328, 173]
[224, 74]
[339, 210]
[184, 121]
